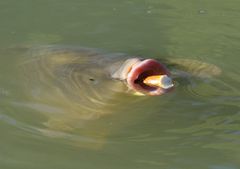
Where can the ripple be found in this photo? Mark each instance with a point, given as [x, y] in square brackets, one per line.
[212, 88]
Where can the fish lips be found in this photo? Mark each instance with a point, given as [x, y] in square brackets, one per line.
[143, 69]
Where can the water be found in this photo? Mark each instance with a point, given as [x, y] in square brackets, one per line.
[196, 126]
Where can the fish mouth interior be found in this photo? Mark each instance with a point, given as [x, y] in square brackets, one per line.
[140, 79]
[142, 70]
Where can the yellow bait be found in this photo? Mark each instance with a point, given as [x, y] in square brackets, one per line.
[162, 81]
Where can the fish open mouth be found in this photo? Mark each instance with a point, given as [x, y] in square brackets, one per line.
[142, 70]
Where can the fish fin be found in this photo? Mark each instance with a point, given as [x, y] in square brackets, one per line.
[191, 67]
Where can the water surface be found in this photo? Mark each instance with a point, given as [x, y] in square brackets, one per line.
[196, 126]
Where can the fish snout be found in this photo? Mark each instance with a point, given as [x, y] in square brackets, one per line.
[149, 77]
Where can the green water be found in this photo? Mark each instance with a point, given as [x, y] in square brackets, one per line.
[197, 126]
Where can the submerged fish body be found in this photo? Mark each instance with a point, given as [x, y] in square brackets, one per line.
[73, 86]
[87, 80]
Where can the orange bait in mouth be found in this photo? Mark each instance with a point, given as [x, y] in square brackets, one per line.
[162, 81]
